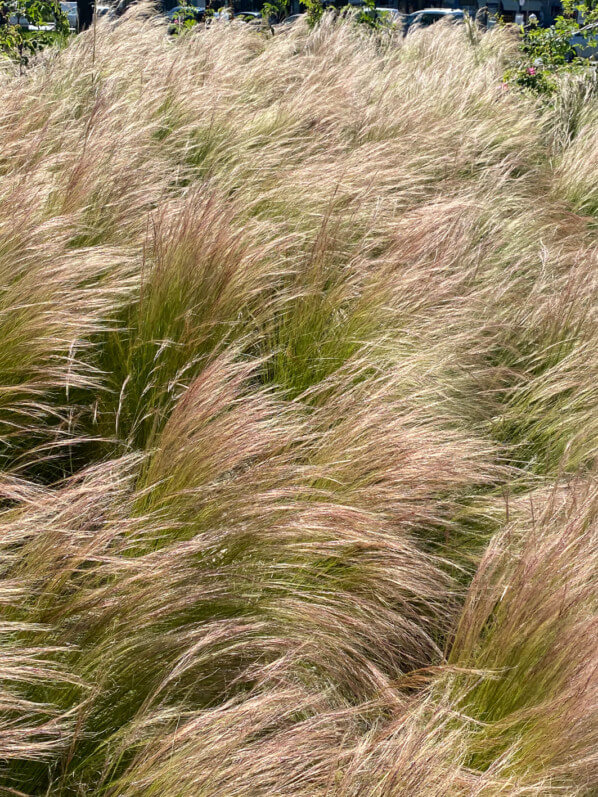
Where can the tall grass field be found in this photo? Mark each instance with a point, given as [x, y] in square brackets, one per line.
[298, 417]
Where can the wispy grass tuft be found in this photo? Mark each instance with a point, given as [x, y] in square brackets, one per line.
[298, 407]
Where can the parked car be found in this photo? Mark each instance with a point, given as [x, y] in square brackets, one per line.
[428, 16]
[252, 18]
[390, 15]
[584, 46]
[224, 15]
[293, 18]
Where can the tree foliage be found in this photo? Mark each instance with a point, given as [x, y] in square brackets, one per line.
[547, 52]
[27, 26]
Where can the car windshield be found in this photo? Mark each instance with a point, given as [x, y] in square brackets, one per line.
[429, 18]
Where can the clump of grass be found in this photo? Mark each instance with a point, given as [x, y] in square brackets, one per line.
[577, 170]
[530, 623]
[297, 417]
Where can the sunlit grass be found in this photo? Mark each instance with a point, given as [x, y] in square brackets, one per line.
[298, 418]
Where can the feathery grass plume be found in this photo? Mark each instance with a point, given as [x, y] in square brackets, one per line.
[294, 329]
[54, 545]
[514, 710]
[51, 304]
[574, 100]
[512, 713]
[31, 729]
[244, 565]
[576, 175]
[202, 286]
[530, 621]
[537, 351]
[34, 727]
